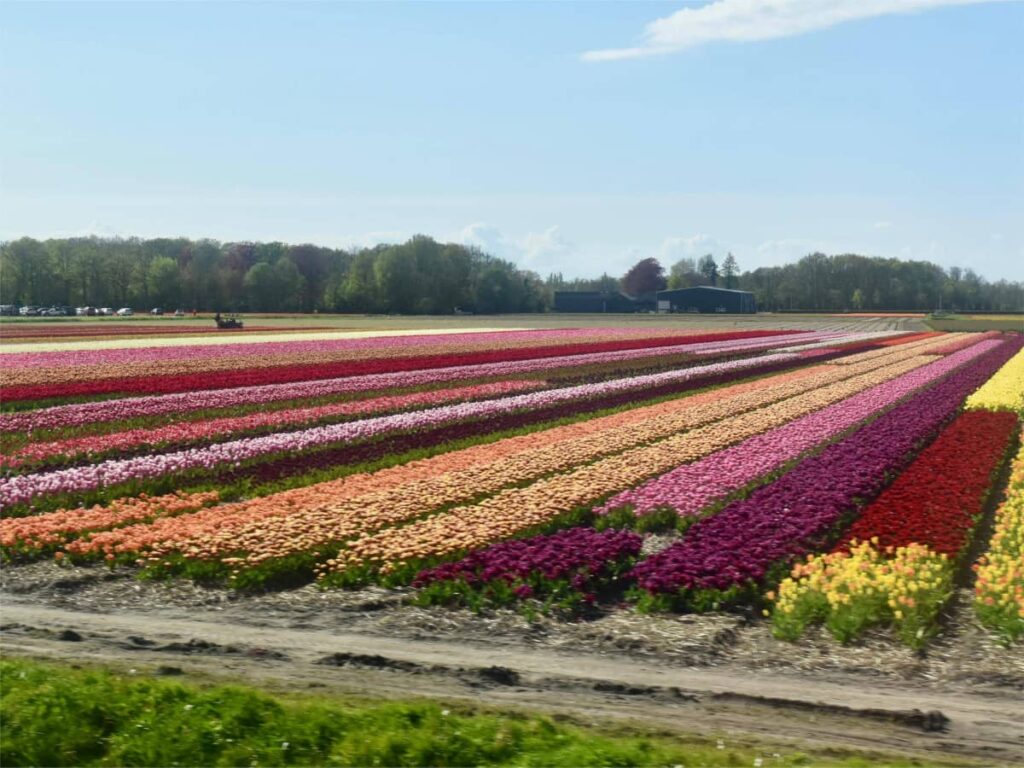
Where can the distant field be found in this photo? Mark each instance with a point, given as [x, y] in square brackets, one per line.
[204, 323]
[978, 323]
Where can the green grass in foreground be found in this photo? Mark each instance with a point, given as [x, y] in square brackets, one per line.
[56, 715]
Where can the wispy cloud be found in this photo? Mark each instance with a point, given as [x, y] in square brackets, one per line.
[747, 20]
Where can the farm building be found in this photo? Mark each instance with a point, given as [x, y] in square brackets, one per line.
[600, 301]
[706, 298]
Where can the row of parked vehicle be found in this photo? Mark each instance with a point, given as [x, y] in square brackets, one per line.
[62, 311]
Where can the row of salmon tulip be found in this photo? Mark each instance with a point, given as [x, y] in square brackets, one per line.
[725, 556]
[691, 488]
[305, 519]
[27, 536]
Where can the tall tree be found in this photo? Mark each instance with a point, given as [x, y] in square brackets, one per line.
[708, 269]
[730, 271]
[644, 277]
[684, 274]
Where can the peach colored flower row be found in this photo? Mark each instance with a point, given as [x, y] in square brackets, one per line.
[516, 510]
[56, 528]
[193, 431]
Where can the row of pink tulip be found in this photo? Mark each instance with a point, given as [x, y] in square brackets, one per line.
[693, 487]
[195, 431]
[24, 488]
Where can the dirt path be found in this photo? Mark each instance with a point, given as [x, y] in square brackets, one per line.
[984, 726]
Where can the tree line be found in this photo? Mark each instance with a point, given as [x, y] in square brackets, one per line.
[422, 276]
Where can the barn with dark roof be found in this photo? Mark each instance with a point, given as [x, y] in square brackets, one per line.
[707, 298]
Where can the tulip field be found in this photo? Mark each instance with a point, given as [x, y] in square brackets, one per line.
[844, 478]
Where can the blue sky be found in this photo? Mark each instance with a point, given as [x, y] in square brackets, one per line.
[570, 136]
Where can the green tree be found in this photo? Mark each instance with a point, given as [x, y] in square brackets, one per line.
[730, 271]
[164, 282]
[708, 269]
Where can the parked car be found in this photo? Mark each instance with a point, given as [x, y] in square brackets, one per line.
[156, 311]
[28, 311]
[124, 312]
[105, 311]
[8, 309]
[179, 313]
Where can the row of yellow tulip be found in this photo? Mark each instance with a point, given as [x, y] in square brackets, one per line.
[1004, 391]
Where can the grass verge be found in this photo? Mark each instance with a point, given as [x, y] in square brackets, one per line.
[57, 715]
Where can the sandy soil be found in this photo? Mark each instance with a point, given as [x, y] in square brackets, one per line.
[717, 673]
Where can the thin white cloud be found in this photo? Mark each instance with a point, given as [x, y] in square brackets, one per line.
[674, 248]
[882, 225]
[748, 20]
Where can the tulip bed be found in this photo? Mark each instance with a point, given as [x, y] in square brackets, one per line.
[526, 468]
[896, 563]
[728, 556]
[567, 571]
